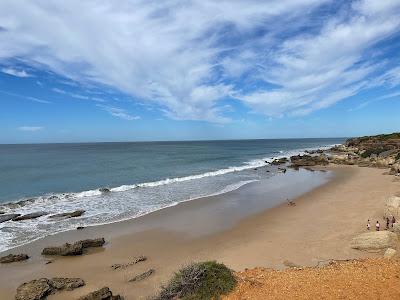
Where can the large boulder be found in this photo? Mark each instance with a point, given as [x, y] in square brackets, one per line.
[376, 240]
[8, 217]
[308, 160]
[101, 294]
[39, 289]
[30, 216]
[392, 208]
[73, 249]
[73, 214]
[64, 250]
[13, 258]
[389, 253]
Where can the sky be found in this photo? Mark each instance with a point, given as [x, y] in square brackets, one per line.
[141, 70]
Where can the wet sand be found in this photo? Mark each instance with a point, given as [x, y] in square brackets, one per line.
[245, 228]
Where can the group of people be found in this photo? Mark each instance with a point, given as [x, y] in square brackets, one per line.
[378, 225]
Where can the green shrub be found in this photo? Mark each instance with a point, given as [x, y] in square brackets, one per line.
[369, 152]
[398, 156]
[201, 281]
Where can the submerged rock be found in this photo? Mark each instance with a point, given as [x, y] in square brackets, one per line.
[105, 190]
[142, 276]
[73, 214]
[101, 294]
[80, 228]
[8, 217]
[30, 216]
[377, 240]
[13, 258]
[39, 289]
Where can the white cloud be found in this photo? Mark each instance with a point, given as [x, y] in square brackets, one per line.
[187, 56]
[16, 73]
[30, 128]
[118, 112]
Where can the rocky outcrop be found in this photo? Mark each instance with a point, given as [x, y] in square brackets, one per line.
[39, 289]
[308, 160]
[375, 241]
[392, 208]
[13, 258]
[142, 276]
[73, 249]
[8, 217]
[68, 215]
[279, 161]
[101, 294]
[389, 253]
[30, 216]
[133, 262]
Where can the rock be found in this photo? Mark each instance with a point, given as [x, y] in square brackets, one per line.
[396, 228]
[73, 214]
[73, 249]
[133, 262]
[64, 250]
[279, 161]
[392, 208]
[68, 284]
[101, 294]
[308, 160]
[39, 289]
[282, 170]
[377, 240]
[389, 253]
[92, 243]
[80, 227]
[8, 217]
[30, 216]
[142, 276]
[2, 212]
[105, 190]
[290, 264]
[13, 258]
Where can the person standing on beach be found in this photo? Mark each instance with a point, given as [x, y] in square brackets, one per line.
[368, 225]
[377, 226]
[387, 223]
[393, 221]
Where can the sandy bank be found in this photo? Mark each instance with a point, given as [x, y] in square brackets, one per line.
[240, 229]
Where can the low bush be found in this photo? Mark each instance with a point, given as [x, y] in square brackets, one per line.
[397, 157]
[369, 152]
[200, 281]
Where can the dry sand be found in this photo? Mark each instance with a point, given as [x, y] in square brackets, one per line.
[319, 227]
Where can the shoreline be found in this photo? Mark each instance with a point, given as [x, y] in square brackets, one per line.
[264, 237]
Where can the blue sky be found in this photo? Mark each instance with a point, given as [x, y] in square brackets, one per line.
[94, 70]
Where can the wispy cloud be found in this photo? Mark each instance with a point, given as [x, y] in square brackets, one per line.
[15, 72]
[30, 128]
[118, 112]
[30, 98]
[288, 57]
[77, 96]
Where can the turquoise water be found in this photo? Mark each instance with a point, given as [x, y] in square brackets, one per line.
[143, 177]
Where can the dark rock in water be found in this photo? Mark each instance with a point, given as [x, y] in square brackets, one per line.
[73, 214]
[64, 250]
[30, 216]
[101, 294]
[279, 161]
[105, 190]
[8, 217]
[73, 249]
[13, 258]
[142, 276]
[80, 227]
[2, 212]
[39, 289]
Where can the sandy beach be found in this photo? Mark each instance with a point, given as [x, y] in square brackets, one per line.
[240, 229]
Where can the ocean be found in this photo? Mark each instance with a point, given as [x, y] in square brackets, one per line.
[142, 177]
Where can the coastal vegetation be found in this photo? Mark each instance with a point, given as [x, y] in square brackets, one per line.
[201, 281]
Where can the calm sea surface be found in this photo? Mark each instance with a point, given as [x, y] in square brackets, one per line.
[142, 177]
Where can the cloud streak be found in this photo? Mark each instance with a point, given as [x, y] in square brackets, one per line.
[30, 128]
[16, 73]
[118, 112]
[290, 57]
